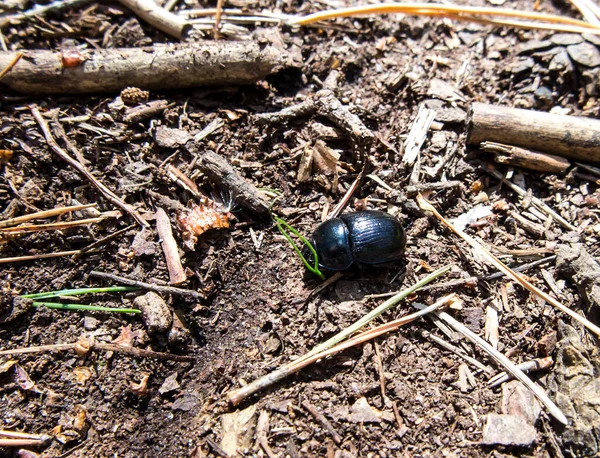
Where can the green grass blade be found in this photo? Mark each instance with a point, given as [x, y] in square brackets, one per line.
[84, 307]
[78, 291]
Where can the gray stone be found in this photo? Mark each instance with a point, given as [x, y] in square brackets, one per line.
[518, 400]
[543, 96]
[445, 112]
[522, 65]
[561, 62]
[534, 46]
[585, 54]
[170, 384]
[156, 314]
[566, 39]
[89, 323]
[592, 38]
[510, 430]
[591, 79]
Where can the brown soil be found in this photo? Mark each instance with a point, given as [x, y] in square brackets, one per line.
[256, 316]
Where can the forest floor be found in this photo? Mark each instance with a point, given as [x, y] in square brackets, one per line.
[399, 395]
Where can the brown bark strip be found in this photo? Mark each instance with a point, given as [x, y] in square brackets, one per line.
[169, 247]
[521, 157]
[568, 136]
[155, 67]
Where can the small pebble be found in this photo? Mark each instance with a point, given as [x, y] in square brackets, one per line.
[508, 430]
[156, 314]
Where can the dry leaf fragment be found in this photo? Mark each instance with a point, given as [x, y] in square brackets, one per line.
[5, 155]
[24, 381]
[305, 166]
[82, 374]
[83, 346]
[5, 367]
[125, 338]
[198, 219]
[80, 419]
[140, 389]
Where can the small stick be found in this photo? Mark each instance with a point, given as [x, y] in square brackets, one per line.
[149, 286]
[103, 240]
[108, 194]
[21, 442]
[458, 352]
[237, 396]
[521, 157]
[588, 10]
[136, 352]
[220, 172]
[426, 206]
[218, 14]
[380, 371]
[527, 366]
[417, 134]
[534, 200]
[262, 430]
[504, 361]
[35, 257]
[49, 227]
[322, 419]
[19, 435]
[351, 190]
[43, 214]
[38, 10]
[169, 245]
[11, 64]
[158, 17]
[145, 111]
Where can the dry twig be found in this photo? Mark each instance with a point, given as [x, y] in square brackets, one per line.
[158, 17]
[169, 245]
[426, 206]
[43, 214]
[504, 361]
[135, 352]
[148, 286]
[237, 396]
[107, 193]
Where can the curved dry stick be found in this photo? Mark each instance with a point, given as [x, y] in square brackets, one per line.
[427, 9]
[111, 196]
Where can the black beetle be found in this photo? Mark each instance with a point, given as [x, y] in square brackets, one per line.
[365, 237]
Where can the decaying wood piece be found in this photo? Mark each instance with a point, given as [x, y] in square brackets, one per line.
[155, 67]
[158, 17]
[568, 136]
[221, 173]
[169, 246]
[521, 157]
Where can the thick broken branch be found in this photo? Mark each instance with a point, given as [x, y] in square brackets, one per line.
[222, 174]
[156, 67]
[568, 136]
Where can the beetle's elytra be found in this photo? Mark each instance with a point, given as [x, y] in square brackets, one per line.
[364, 237]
